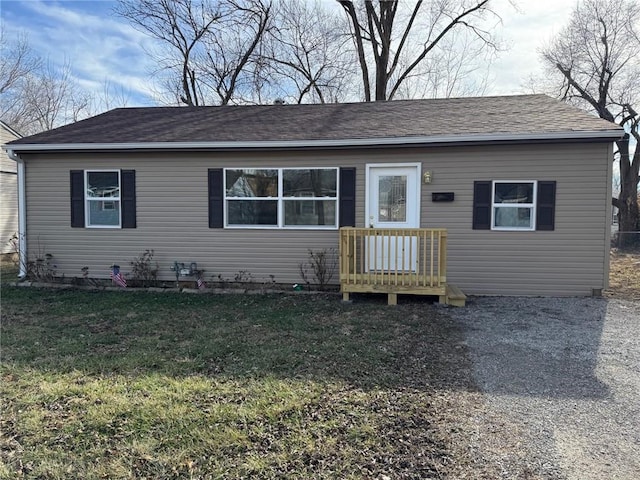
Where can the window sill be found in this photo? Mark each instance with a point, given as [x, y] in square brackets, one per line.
[267, 227]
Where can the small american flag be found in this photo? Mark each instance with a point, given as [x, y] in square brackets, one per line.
[116, 276]
[201, 284]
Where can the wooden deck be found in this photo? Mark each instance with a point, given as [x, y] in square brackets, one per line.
[396, 261]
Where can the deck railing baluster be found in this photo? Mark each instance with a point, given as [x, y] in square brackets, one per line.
[393, 260]
[424, 258]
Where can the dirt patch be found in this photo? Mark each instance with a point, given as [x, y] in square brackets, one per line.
[624, 276]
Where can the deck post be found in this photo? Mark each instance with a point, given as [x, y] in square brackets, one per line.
[442, 257]
[392, 299]
[345, 296]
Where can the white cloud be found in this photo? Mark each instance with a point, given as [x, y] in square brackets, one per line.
[525, 30]
[99, 47]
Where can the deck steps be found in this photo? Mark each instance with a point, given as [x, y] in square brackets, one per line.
[455, 296]
[448, 295]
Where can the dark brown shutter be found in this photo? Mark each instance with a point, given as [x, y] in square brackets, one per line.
[347, 197]
[482, 205]
[216, 198]
[128, 192]
[77, 198]
[546, 206]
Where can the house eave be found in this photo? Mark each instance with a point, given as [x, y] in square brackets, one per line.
[472, 139]
[9, 129]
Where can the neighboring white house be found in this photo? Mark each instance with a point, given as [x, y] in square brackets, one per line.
[8, 191]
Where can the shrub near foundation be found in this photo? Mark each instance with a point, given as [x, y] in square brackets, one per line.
[144, 271]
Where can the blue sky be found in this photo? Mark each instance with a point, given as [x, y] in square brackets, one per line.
[101, 47]
[98, 46]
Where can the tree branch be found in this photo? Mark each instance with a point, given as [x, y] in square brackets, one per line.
[405, 35]
[431, 45]
[349, 8]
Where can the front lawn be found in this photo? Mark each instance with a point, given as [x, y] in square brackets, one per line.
[165, 385]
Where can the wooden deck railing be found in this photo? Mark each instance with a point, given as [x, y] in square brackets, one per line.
[393, 260]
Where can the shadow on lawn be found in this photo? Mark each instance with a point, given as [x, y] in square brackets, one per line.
[544, 347]
[367, 344]
[514, 346]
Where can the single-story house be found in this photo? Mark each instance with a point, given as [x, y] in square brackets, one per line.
[8, 192]
[521, 186]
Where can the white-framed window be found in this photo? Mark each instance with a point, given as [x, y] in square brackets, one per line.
[102, 198]
[281, 197]
[513, 205]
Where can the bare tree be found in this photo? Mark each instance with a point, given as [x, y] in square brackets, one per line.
[244, 51]
[597, 62]
[16, 62]
[180, 26]
[207, 46]
[307, 57]
[36, 95]
[112, 96]
[52, 98]
[231, 54]
[459, 66]
[393, 39]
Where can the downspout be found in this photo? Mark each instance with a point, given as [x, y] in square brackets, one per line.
[22, 213]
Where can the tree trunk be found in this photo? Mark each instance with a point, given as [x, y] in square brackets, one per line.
[628, 212]
[627, 201]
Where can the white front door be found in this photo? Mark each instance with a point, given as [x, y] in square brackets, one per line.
[393, 201]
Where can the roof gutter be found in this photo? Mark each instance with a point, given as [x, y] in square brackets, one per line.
[603, 135]
[22, 213]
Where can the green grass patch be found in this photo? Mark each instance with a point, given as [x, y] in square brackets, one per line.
[145, 385]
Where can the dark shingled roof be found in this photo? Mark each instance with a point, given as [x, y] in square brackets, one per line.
[521, 114]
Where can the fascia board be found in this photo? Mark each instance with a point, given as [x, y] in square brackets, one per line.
[332, 143]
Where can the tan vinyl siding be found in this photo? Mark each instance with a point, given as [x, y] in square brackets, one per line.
[566, 261]
[172, 216]
[172, 219]
[8, 210]
[6, 164]
[8, 194]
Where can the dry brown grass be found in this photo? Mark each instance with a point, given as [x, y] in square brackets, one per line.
[624, 277]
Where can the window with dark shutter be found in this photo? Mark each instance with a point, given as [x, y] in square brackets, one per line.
[514, 205]
[546, 207]
[77, 198]
[216, 198]
[128, 186]
[347, 197]
[482, 205]
[103, 198]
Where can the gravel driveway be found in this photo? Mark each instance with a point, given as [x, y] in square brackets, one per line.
[561, 382]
